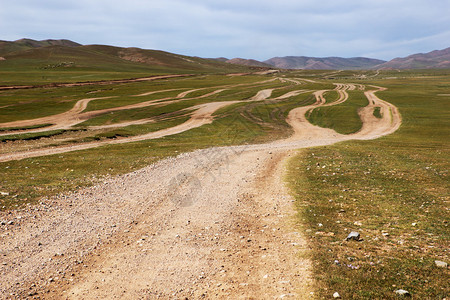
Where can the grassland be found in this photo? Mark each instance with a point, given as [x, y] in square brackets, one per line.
[394, 191]
[56, 64]
[28, 180]
[343, 117]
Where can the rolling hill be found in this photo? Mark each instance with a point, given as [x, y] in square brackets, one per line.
[27, 55]
[326, 63]
[67, 61]
[58, 51]
[7, 47]
[438, 59]
[248, 62]
[243, 62]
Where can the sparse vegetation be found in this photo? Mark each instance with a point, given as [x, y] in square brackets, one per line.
[394, 191]
[35, 136]
[24, 128]
[377, 112]
[343, 117]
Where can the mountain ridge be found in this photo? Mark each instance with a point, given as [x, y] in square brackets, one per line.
[24, 47]
[439, 59]
[7, 47]
[323, 63]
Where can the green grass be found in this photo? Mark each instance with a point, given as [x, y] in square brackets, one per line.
[24, 128]
[331, 96]
[40, 102]
[95, 62]
[377, 112]
[271, 110]
[36, 135]
[393, 190]
[27, 181]
[30, 179]
[374, 187]
[35, 103]
[343, 117]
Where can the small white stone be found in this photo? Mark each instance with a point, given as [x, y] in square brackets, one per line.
[441, 264]
[288, 295]
[402, 292]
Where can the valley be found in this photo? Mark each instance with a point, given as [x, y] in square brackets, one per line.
[233, 182]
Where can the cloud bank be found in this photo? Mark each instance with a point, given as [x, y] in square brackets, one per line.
[251, 29]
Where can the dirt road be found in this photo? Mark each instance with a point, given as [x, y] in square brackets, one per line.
[214, 223]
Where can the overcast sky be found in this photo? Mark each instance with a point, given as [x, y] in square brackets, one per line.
[258, 29]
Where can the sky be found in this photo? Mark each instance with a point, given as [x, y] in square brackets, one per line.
[258, 29]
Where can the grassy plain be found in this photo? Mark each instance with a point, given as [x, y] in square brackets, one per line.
[343, 117]
[56, 64]
[394, 191]
[28, 180]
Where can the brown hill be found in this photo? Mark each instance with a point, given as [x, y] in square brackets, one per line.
[325, 63]
[28, 54]
[7, 47]
[431, 60]
[248, 62]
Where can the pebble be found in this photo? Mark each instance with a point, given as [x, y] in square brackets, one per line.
[402, 292]
[336, 295]
[287, 295]
[441, 264]
[354, 235]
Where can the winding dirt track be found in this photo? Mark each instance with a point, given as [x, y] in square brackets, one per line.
[213, 223]
[76, 115]
[202, 115]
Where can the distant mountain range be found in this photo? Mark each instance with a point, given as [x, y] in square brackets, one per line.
[436, 59]
[58, 49]
[326, 63]
[249, 62]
